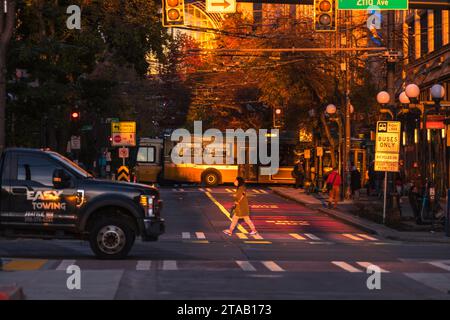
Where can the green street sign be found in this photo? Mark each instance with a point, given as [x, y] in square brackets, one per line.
[373, 4]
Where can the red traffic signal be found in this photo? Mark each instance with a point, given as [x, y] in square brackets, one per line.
[325, 16]
[173, 13]
[75, 115]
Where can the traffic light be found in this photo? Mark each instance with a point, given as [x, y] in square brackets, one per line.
[278, 118]
[173, 13]
[75, 116]
[325, 15]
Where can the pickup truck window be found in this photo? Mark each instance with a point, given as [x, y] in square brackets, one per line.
[35, 168]
[71, 164]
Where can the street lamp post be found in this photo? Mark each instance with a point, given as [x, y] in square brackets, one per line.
[337, 116]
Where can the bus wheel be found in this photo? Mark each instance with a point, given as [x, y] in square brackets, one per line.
[211, 178]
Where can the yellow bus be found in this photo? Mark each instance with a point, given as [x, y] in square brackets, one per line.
[153, 163]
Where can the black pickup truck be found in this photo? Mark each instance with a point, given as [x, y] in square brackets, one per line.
[45, 195]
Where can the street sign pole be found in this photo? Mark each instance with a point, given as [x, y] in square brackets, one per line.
[385, 196]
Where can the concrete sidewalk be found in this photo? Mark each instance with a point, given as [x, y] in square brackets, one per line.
[343, 213]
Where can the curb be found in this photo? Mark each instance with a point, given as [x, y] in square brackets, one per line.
[12, 292]
[367, 226]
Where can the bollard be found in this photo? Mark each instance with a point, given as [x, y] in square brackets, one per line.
[447, 216]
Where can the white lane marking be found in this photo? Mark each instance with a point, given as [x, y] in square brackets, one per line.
[186, 235]
[362, 235]
[297, 236]
[263, 191]
[366, 265]
[143, 265]
[170, 265]
[64, 264]
[228, 190]
[181, 190]
[440, 264]
[208, 189]
[200, 235]
[352, 237]
[272, 266]
[345, 266]
[257, 237]
[174, 190]
[311, 236]
[245, 265]
[255, 191]
[201, 189]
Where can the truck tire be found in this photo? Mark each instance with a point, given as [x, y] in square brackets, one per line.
[111, 238]
[211, 178]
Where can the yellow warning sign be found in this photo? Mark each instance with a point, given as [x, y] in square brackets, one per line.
[123, 174]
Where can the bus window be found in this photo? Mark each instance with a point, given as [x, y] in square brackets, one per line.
[146, 154]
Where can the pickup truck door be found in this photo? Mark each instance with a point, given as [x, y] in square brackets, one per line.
[34, 200]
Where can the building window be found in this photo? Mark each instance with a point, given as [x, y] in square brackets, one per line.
[437, 29]
[423, 34]
[257, 13]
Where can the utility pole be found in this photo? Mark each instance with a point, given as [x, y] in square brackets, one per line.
[348, 131]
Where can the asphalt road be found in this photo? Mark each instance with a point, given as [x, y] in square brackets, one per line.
[299, 254]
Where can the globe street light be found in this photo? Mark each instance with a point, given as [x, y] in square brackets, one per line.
[413, 92]
[437, 92]
[404, 99]
[383, 98]
[331, 109]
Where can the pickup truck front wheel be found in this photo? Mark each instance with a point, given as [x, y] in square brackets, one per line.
[111, 238]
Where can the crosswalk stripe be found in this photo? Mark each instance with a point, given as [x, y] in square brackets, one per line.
[181, 190]
[255, 191]
[201, 189]
[257, 237]
[241, 235]
[263, 191]
[208, 189]
[186, 235]
[245, 265]
[297, 236]
[200, 235]
[64, 264]
[272, 266]
[24, 265]
[362, 235]
[169, 265]
[228, 190]
[345, 266]
[366, 265]
[143, 265]
[352, 237]
[440, 264]
[311, 236]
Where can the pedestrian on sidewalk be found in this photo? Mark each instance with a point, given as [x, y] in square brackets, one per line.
[333, 187]
[299, 175]
[241, 210]
[355, 182]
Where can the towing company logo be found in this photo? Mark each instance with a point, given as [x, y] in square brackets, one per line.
[50, 195]
[44, 204]
[220, 151]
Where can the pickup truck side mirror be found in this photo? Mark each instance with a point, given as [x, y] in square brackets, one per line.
[61, 178]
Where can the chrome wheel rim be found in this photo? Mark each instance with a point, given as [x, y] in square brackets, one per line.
[111, 239]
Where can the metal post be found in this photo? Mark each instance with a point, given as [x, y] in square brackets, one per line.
[447, 216]
[385, 197]
[347, 107]
[447, 220]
